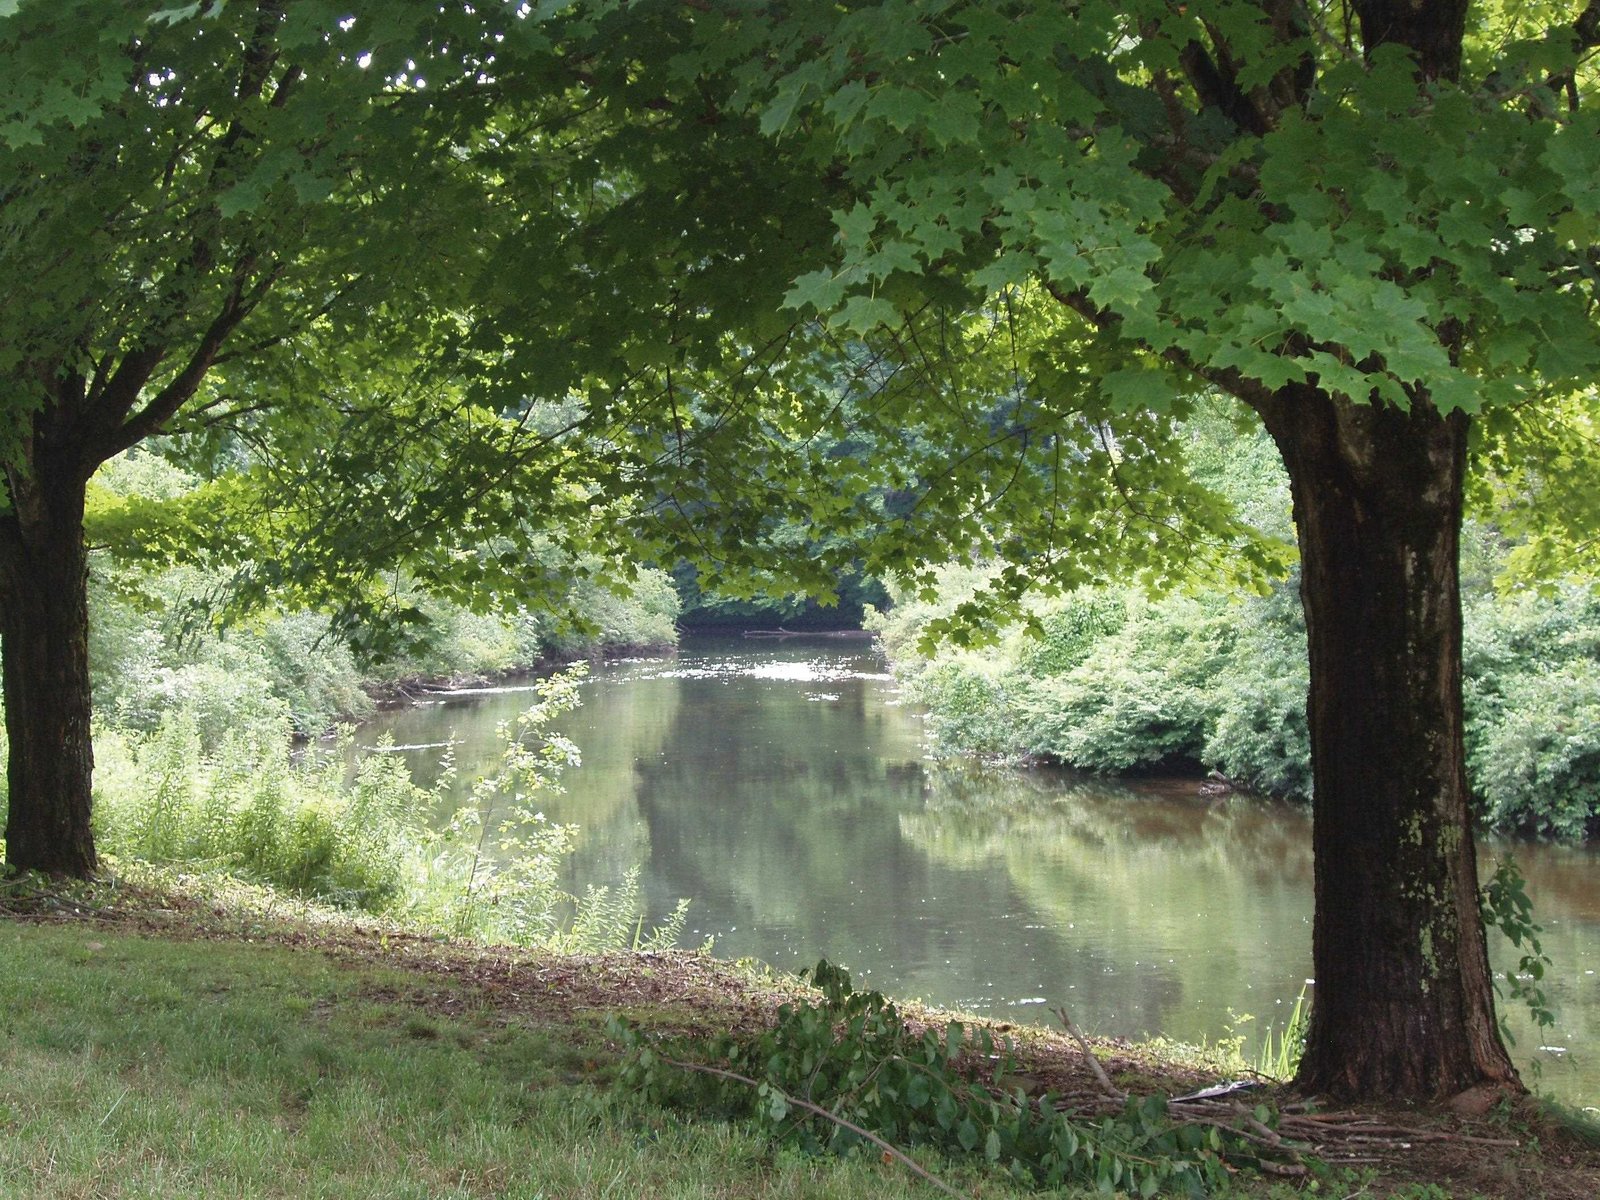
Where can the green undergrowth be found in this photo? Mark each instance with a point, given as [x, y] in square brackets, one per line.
[848, 1073]
[370, 839]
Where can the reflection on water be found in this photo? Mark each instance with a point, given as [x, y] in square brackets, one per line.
[783, 788]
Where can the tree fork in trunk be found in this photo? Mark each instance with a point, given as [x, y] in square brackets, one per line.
[44, 642]
[1404, 1002]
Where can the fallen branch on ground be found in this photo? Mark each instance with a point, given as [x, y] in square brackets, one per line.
[795, 1102]
[1106, 1085]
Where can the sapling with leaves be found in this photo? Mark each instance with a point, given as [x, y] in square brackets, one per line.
[495, 873]
[518, 895]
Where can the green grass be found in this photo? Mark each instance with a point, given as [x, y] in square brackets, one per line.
[139, 1066]
[186, 1039]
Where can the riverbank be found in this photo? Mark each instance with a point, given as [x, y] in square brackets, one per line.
[1111, 681]
[784, 789]
[186, 1042]
[387, 695]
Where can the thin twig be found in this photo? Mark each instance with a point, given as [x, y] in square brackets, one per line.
[897, 1155]
[1363, 1131]
[1106, 1085]
[114, 1107]
[54, 903]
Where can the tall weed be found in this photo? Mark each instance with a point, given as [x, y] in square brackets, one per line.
[363, 839]
[244, 808]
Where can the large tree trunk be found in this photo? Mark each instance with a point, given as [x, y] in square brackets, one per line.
[1404, 1001]
[44, 642]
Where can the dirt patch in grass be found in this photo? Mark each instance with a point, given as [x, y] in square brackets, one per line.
[1519, 1148]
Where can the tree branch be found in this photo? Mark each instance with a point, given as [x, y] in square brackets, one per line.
[1214, 73]
[1229, 380]
[165, 404]
[1585, 35]
[1431, 29]
[1218, 89]
[115, 429]
[1586, 29]
[1100, 1075]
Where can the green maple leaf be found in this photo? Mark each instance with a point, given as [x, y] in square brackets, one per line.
[899, 107]
[1009, 269]
[862, 314]
[954, 120]
[821, 290]
[856, 226]
[1139, 389]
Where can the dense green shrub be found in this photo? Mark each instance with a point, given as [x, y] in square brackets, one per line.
[643, 615]
[314, 672]
[1257, 734]
[1114, 682]
[1069, 631]
[900, 627]
[156, 645]
[227, 686]
[1111, 682]
[1532, 684]
[453, 642]
[1537, 767]
[968, 707]
[1136, 697]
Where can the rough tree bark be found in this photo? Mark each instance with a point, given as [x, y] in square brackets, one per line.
[44, 642]
[1404, 995]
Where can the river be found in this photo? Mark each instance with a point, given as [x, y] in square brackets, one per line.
[784, 789]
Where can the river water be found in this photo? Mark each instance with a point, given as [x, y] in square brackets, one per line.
[783, 787]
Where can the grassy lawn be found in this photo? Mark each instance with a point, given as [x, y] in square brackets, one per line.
[139, 1066]
[165, 1044]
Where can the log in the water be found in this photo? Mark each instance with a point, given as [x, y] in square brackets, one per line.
[781, 632]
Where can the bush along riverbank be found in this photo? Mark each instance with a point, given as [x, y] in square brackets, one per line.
[172, 1036]
[1115, 682]
[169, 637]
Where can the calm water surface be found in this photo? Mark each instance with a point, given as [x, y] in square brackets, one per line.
[782, 786]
